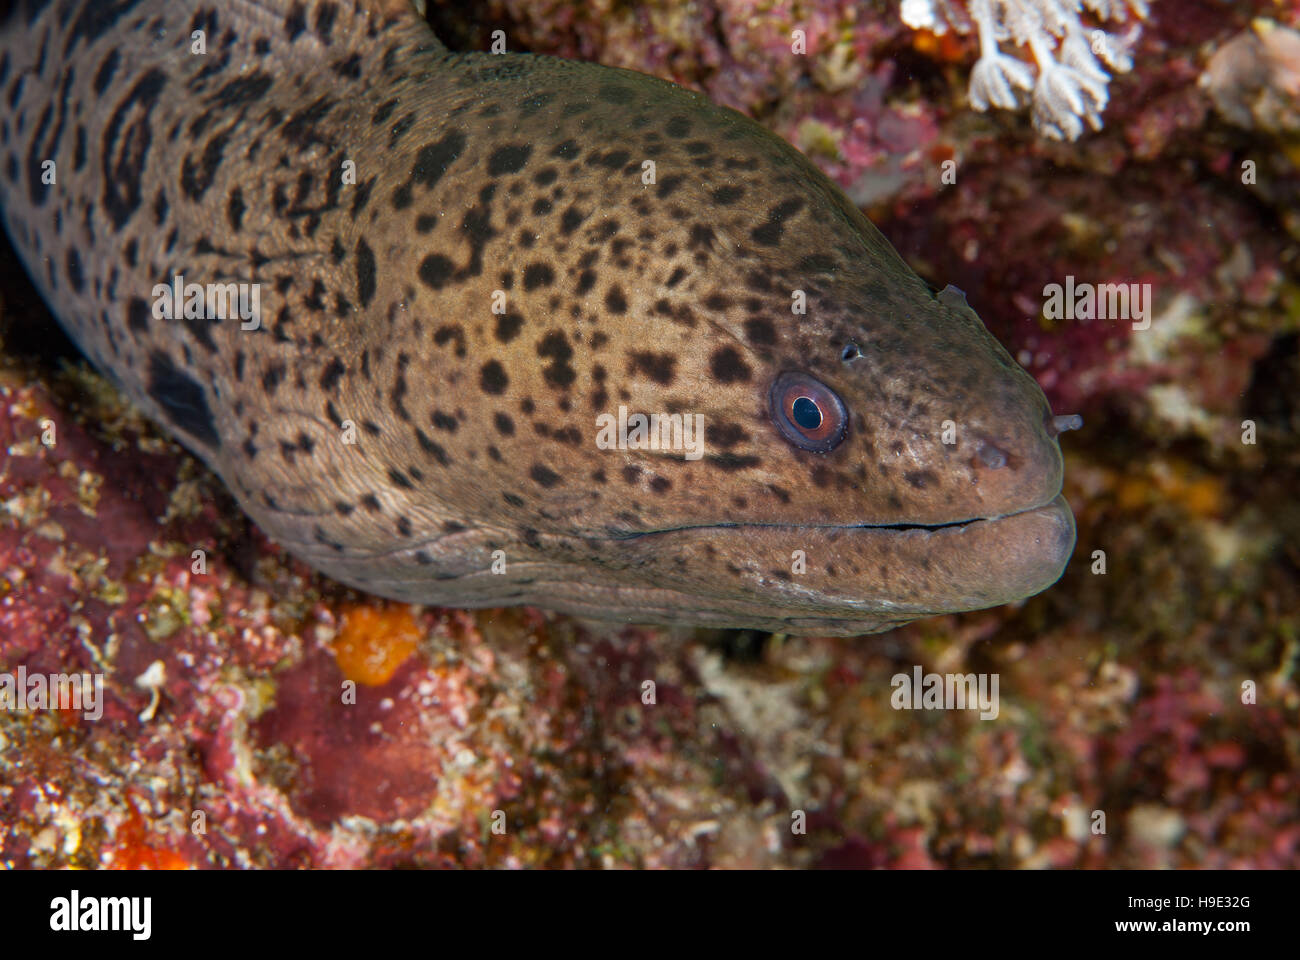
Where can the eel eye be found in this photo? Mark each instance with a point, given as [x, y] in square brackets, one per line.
[808, 413]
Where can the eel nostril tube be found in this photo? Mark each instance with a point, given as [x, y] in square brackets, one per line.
[995, 458]
[1059, 425]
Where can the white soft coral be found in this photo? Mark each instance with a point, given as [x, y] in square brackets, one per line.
[1070, 88]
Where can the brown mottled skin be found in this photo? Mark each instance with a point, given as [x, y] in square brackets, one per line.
[474, 431]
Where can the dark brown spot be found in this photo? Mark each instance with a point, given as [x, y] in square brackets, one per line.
[725, 434]
[727, 365]
[769, 234]
[538, 275]
[492, 378]
[615, 301]
[657, 366]
[330, 376]
[669, 184]
[760, 331]
[571, 219]
[544, 476]
[366, 272]
[555, 346]
[508, 159]
[920, 479]
[436, 271]
[677, 128]
[507, 326]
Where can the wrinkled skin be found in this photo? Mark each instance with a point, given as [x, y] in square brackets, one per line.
[393, 430]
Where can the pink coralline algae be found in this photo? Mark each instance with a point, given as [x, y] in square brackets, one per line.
[1071, 88]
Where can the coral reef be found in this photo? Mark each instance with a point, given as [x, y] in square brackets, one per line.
[1071, 84]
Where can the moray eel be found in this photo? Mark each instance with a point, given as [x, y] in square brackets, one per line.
[462, 261]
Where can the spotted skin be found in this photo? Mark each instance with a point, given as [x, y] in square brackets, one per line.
[518, 182]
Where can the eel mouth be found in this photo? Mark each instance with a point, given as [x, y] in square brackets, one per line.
[1056, 502]
[904, 569]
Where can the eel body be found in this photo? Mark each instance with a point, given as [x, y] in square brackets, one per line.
[473, 272]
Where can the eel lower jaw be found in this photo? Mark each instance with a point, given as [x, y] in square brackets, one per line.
[859, 578]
